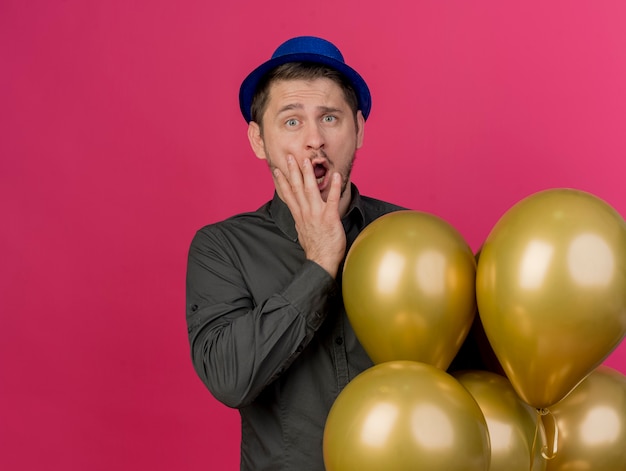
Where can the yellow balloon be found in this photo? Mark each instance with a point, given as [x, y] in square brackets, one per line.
[591, 424]
[513, 425]
[405, 416]
[409, 288]
[551, 291]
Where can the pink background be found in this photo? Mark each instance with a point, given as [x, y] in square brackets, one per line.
[120, 135]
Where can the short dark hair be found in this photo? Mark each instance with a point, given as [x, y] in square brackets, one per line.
[299, 71]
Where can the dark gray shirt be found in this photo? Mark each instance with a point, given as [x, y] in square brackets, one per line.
[268, 331]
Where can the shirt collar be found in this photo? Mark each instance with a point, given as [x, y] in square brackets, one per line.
[284, 220]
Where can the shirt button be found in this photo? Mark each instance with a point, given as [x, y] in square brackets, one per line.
[339, 340]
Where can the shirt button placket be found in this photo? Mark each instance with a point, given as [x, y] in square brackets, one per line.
[341, 357]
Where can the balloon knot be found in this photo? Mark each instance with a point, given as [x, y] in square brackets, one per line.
[546, 452]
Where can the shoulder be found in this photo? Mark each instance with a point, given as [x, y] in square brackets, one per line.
[238, 225]
[374, 208]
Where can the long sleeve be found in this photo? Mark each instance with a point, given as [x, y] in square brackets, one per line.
[253, 303]
[268, 330]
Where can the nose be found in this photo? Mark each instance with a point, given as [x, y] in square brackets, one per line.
[314, 139]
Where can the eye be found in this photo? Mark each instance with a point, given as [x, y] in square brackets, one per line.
[291, 122]
[329, 118]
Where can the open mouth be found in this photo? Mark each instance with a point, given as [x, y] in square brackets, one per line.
[320, 170]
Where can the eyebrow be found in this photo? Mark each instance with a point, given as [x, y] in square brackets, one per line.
[289, 107]
[299, 106]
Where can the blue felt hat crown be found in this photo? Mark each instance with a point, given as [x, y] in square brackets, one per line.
[305, 49]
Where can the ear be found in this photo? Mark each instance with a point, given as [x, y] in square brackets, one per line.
[256, 140]
[360, 122]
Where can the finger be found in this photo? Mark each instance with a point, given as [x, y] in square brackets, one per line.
[334, 194]
[299, 182]
[294, 174]
[310, 182]
[284, 190]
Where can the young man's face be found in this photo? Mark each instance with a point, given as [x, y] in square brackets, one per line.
[309, 119]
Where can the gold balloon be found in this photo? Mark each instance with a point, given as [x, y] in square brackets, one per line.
[591, 424]
[513, 425]
[405, 416]
[409, 288]
[551, 291]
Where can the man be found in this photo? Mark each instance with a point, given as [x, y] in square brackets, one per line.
[267, 327]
